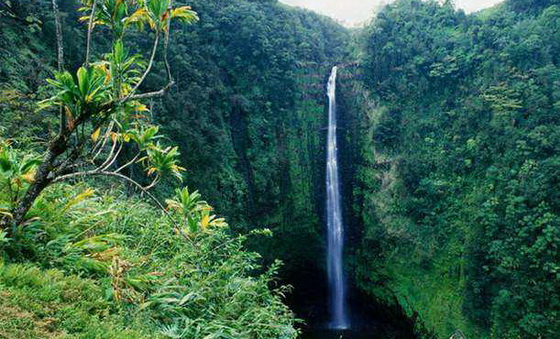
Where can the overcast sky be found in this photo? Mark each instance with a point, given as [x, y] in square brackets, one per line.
[353, 12]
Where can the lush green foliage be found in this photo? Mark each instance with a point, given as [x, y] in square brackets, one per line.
[124, 260]
[181, 269]
[101, 95]
[451, 166]
[457, 189]
[246, 111]
[39, 303]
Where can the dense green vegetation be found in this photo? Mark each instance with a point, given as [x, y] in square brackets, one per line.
[457, 188]
[105, 265]
[248, 110]
[450, 166]
[235, 101]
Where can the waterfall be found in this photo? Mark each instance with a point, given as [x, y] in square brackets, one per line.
[337, 283]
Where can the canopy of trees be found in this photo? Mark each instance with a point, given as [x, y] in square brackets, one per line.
[458, 189]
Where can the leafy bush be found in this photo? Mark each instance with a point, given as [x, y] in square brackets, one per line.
[192, 282]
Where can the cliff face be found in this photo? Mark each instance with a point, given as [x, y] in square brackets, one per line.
[455, 182]
[449, 143]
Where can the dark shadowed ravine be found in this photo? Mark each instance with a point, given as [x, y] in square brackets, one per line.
[327, 303]
[309, 300]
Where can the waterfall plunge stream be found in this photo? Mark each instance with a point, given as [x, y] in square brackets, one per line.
[337, 283]
[366, 321]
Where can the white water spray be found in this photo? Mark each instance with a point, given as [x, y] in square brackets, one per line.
[337, 283]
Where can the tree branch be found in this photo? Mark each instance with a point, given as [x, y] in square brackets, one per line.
[60, 57]
[128, 163]
[155, 94]
[166, 44]
[170, 80]
[154, 182]
[115, 156]
[90, 29]
[150, 64]
[102, 167]
[101, 145]
[59, 40]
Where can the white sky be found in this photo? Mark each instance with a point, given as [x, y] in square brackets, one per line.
[352, 12]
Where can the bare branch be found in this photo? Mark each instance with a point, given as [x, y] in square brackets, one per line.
[105, 138]
[115, 156]
[170, 80]
[128, 163]
[166, 43]
[150, 64]
[60, 58]
[59, 41]
[90, 29]
[150, 186]
[155, 94]
[109, 157]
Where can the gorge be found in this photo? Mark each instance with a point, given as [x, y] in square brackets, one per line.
[435, 215]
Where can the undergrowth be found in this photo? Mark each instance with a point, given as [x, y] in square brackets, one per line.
[95, 265]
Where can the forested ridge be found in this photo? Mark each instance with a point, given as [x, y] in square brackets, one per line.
[103, 255]
[455, 184]
[449, 162]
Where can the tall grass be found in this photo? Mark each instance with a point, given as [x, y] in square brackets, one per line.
[135, 264]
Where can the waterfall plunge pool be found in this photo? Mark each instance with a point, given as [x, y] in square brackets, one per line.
[326, 301]
[368, 319]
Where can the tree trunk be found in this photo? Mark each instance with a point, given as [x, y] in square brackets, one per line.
[60, 53]
[59, 41]
[43, 178]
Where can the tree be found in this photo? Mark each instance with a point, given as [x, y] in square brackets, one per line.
[100, 108]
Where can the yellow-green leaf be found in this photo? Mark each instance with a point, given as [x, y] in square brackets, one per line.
[204, 222]
[96, 134]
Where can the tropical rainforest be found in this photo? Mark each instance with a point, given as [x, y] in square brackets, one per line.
[162, 168]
